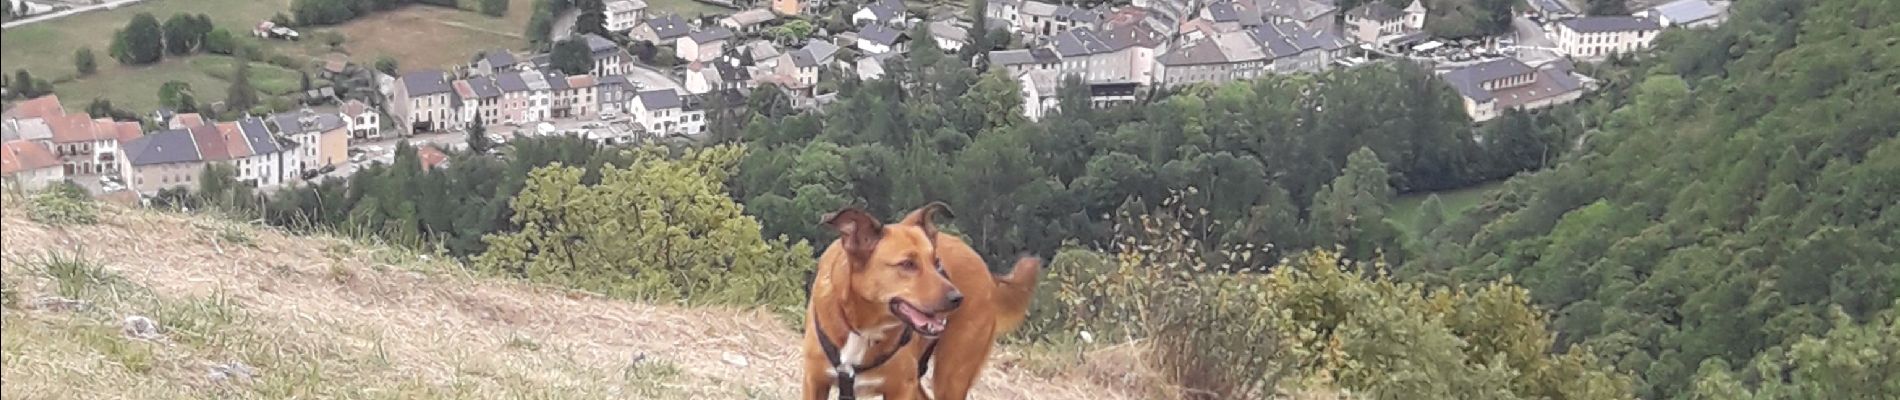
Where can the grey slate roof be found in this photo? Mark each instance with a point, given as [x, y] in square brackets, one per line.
[258, 137]
[291, 123]
[886, 10]
[555, 80]
[1303, 10]
[499, 58]
[1469, 81]
[660, 99]
[880, 34]
[1079, 42]
[1552, 7]
[163, 147]
[1601, 24]
[597, 44]
[611, 80]
[484, 86]
[426, 82]
[510, 82]
[1023, 56]
[1078, 14]
[670, 26]
[732, 73]
[708, 35]
[1687, 11]
[1377, 11]
[1037, 8]
[814, 53]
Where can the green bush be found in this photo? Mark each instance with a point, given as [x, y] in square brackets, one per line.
[63, 204]
[1313, 322]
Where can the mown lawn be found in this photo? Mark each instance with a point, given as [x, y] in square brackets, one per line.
[423, 36]
[46, 49]
[136, 88]
[685, 8]
[1405, 209]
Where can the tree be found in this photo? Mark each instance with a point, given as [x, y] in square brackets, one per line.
[478, 140]
[572, 56]
[182, 34]
[592, 19]
[683, 240]
[177, 96]
[791, 33]
[240, 96]
[978, 32]
[1431, 214]
[220, 41]
[495, 8]
[1350, 211]
[386, 64]
[305, 80]
[321, 12]
[23, 84]
[84, 62]
[141, 42]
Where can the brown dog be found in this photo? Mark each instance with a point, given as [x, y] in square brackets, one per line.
[887, 295]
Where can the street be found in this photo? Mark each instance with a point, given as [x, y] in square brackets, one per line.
[1534, 45]
[71, 11]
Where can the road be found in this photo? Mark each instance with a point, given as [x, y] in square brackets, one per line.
[71, 11]
[564, 25]
[1529, 34]
[648, 78]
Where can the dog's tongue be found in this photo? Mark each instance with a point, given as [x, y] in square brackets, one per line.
[924, 322]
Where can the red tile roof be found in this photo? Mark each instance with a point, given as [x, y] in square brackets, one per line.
[40, 107]
[354, 108]
[234, 142]
[430, 156]
[188, 120]
[211, 143]
[128, 130]
[24, 155]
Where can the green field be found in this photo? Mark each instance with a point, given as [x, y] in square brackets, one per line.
[46, 48]
[685, 8]
[1405, 209]
[136, 88]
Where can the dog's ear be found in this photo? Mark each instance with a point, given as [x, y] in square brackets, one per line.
[857, 230]
[925, 216]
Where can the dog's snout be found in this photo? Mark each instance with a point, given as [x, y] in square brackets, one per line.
[953, 300]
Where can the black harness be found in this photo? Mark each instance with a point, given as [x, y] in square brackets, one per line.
[847, 375]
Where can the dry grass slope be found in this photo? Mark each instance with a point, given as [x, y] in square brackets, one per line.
[325, 317]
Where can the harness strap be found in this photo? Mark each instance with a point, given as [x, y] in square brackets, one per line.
[847, 375]
[923, 363]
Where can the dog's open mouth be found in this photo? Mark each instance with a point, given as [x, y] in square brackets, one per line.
[925, 323]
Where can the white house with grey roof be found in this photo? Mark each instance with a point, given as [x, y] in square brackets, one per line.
[662, 30]
[161, 160]
[748, 21]
[624, 15]
[1601, 36]
[1490, 88]
[798, 70]
[1039, 19]
[880, 12]
[1376, 22]
[881, 39]
[609, 58]
[664, 112]
[1688, 13]
[949, 35]
[703, 45]
[425, 102]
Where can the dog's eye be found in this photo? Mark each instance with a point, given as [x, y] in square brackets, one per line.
[907, 265]
[940, 266]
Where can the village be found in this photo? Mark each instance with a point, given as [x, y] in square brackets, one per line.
[658, 73]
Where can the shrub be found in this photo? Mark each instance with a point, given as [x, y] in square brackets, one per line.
[63, 204]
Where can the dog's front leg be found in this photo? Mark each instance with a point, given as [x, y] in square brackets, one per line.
[817, 387]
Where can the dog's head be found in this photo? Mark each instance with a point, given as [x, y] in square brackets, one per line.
[897, 265]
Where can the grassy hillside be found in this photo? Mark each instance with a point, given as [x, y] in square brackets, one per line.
[326, 317]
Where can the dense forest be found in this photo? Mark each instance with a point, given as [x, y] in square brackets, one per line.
[1743, 190]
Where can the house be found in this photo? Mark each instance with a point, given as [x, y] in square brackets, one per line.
[789, 8]
[748, 21]
[251, 151]
[763, 53]
[1688, 14]
[703, 45]
[334, 66]
[494, 61]
[430, 157]
[662, 30]
[318, 139]
[1021, 61]
[481, 100]
[540, 96]
[880, 39]
[425, 102]
[576, 97]
[1039, 92]
[32, 130]
[870, 68]
[609, 58]
[1038, 19]
[798, 69]
[623, 15]
[1601, 36]
[1551, 10]
[362, 121]
[664, 112]
[186, 120]
[28, 165]
[611, 94]
[950, 36]
[162, 160]
[1376, 22]
[1314, 15]
[1279, 47]
[38, 107]
[1120, 55]
[516, 97]
[1492, 87]
[880, 12]
[88, 146]
[724, 74]
[1002, 13]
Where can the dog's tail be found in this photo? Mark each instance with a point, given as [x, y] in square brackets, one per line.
[1013, 293]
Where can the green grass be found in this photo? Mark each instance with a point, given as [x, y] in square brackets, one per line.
[267, 78]
[686, 8]
[136, 88]
[1456, 201]
[46, 48]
